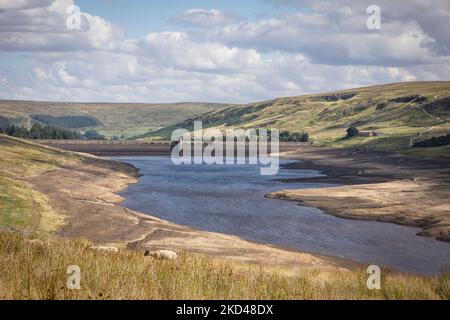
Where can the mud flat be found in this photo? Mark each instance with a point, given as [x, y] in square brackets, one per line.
[376, 186]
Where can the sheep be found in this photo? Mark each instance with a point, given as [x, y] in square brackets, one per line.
[37, 243]
[105, 249]
[161, 254]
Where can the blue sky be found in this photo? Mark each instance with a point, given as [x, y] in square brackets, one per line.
[218, 51]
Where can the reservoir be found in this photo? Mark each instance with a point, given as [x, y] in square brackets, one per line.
[230, 199]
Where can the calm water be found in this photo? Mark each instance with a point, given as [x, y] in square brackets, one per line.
[230, 199]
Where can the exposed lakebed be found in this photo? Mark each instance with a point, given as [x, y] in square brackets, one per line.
[230, 199]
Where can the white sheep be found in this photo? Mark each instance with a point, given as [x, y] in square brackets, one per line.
[105, 248]
[161, 254]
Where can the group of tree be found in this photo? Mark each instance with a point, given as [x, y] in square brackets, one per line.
[40, 132]
[46, 132]
[93, 135]
[284, 136]
[287, 136]
[433, 142]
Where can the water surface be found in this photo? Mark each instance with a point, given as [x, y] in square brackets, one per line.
[230, 199]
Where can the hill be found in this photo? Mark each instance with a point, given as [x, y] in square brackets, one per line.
[400, 113]
[109, 119]
[21, 206]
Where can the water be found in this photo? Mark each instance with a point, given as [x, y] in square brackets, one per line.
[230, 199]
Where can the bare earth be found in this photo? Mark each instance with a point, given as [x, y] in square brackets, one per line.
[86, 194]
[377, 186]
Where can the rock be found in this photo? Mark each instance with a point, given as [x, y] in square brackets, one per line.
[161, 254]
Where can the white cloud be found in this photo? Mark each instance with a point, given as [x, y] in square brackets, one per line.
[336, 37]
[204, 18]
[178, 50]
[43, 28]
[23, 4]
[325, 48]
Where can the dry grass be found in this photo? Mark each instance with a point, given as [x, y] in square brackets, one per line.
[31, 271]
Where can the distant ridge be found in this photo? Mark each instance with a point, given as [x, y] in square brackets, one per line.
[400, 111]
[111, 119]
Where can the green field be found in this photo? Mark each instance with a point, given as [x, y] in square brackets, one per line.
[110, 119]
[398, 111]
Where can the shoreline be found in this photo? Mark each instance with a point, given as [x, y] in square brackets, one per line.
[411, 233]
[375, 186]
[115, 225]
[86, 194]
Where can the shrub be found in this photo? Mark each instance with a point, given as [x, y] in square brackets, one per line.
[381, 106]
[352, 132]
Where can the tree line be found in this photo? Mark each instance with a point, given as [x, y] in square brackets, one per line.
[47, 132]
[433, 142]
[288, 136]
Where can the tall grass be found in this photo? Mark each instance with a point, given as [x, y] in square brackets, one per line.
[33, 271]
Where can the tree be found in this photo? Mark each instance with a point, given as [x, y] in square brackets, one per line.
[39, 132]
[93, 135]
[36, 132]
[434, 142]
[286, 136]
[352, 132]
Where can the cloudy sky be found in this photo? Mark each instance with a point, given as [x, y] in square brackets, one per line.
[217, 50]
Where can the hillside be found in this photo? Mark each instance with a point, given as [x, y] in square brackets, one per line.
[110, 119]
[400, 112]
[130, 275]
[21, 206]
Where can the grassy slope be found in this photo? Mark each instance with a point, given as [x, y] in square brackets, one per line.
[128, 119]
[20, 205]
[326, 121]
[39, 272]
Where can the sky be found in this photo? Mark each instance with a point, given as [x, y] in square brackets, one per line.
[215, 51]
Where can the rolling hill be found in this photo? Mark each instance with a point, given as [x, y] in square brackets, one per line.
[399, 113]
[110, 119]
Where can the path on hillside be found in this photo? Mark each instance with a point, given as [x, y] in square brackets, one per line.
[419, 135]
